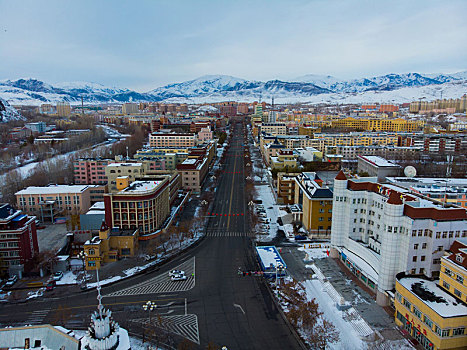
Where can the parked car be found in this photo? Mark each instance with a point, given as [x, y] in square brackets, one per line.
[178, 277]
[263, 215]
[50, 285]
[11, 281]
[58, 276]
[176, 272]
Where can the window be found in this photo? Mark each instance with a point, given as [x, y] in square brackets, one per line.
[424, 246]
[423, 258]
[445, 333]
[91, 263]
[407, 304]
[417, 312]
[428, 321]
[447, 271]
[446, 285]
[414, 258]
[458, 331]
[460, 279]
[436, 261]
[398, 297]
[457, 293]
[459, 258]
[415, 246]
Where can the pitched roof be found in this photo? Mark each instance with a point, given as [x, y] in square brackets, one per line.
[341, 176]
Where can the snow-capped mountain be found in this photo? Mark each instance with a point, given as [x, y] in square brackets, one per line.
[8, 113]
[214, 88]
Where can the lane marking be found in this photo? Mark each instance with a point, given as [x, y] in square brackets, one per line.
[240, 307]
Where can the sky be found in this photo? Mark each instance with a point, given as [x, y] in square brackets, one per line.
[142, 45]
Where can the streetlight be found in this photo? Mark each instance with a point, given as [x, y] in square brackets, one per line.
[279, 268]
[82, 255]
[149, 306]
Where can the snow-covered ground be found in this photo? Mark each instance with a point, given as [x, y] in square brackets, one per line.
[68, 278]
[265, 194]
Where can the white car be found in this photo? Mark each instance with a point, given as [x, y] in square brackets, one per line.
[179, 277]
[58, 276]
[11, 281]
[176, 272]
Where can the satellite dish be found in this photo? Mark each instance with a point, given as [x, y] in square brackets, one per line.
[410, 171]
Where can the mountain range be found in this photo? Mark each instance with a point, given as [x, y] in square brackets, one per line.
[215, 88]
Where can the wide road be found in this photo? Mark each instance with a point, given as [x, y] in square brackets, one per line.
[214, 306]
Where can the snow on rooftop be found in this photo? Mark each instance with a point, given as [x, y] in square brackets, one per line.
[189, 161]
[53, 189]
[269, 256]
[141, 186]
[98, 206]
[434, 297]
[378, 161]
[124, 164]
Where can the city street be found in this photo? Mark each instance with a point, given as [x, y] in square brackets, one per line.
[214, 305]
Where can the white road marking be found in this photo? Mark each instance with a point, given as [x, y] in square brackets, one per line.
[240, 307]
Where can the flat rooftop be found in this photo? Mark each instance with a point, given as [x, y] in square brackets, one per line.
[141, 187]
[53, 189]
[379, 161]
[124, 164]
[433, 296]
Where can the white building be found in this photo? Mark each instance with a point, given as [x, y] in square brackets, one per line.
[380, 230]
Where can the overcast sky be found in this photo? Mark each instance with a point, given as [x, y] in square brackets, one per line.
[145, 44]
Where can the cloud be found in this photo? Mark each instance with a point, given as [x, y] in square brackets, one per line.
[146, 44]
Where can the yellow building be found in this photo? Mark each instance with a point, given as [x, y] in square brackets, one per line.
[453, 274]
[426, 312]
[285, 158]
[110, 245]
[315, 202]
[378, 124]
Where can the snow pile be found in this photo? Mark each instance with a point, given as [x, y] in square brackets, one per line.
[68, 278]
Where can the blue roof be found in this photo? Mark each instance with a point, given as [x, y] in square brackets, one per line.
[19, 217]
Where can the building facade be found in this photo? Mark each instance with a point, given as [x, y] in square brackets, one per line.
[380, 230]
[142, 205]
[18, 241]
[172, 140]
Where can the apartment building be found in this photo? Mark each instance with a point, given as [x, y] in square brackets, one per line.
[158, 140]
[18, 241]
[129, 108]
[193, 172]
[315, 201]
[442, 106]
[142, 205]
[90, 171]
[378, 124]
[436, 143]
[274, 128]
[63, 109]
[172, 156]
[205, 134]
[379, 230]
[286, 188]
[48, 202]
[391, 152]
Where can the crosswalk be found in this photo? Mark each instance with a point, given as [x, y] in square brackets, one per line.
[162, 283]
[214, 233]
[183, 325]
[37, 317]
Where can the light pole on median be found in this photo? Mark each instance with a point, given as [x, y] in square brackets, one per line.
[82, 255]
[149, 306]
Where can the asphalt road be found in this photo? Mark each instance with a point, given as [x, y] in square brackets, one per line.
[215, 306]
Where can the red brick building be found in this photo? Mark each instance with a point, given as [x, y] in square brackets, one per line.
[18, 240]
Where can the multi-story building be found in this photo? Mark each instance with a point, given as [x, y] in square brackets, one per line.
[380, 230]
[130, 108]
[377, 166]
[37, 128]
[142, 205]
[90, 171]
[378, 124]
[434, 317]
[172, 140]
[315, 201]
[446, 190]
[63, 109]
[274, 128]
[453, 274]
[193, 171]
[172, 156]
[110, 245]
[205, 134]
[285, 158]
[18, 241]
[286, 188]
[357, 139]
[436, 143]
[48, 202]
[390, 152]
